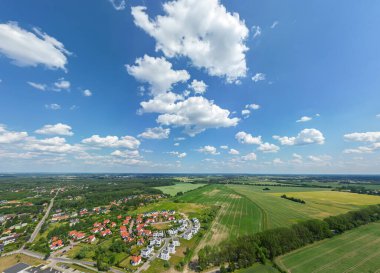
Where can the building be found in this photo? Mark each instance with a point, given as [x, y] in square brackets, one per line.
[146, 252]
[135, 260]
[187, 235]
[57, 244]
[176, 242]
[171, 249]
[165, 255]
[91, 238]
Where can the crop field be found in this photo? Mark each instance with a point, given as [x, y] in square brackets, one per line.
[354, 251]
[278, 212]
[259, 268]
[179, 187]
[237, 215]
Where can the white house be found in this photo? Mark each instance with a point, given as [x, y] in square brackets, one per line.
[176, 242]
[187, 235]
[165, 255]
[171, 249]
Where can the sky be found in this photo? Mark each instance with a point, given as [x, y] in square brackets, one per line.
[189, 86]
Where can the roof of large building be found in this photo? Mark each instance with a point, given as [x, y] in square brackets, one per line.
[42, 269]
[16, 268]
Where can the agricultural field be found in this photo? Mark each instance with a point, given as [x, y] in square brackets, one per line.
[278, 212]
[354, 251]
[179, 187]
[237, 214]
[259, 268]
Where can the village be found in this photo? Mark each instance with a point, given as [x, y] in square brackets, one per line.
[140, 232]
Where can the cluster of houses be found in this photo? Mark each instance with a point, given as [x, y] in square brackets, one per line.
[193, 231]
[56, 243]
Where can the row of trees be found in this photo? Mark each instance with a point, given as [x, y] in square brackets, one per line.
[247, 250]
[293, 199]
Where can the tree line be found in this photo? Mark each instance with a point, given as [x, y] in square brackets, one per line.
[247, 250]
[294, 199]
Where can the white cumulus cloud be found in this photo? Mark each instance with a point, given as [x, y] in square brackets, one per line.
[157, 72]
[246, 138]
[249, 157]
[363, 137]
[113, 141]
[26, 48]
[199, 87]
[56, 129]
[155, 133]
[204, 31]
[268, 148]
[211, 150]
[39, 86]
[53, 106]
[87, 93]
[233, 152]
[305, 137]
[259, 77]
[304, 119]
[119, 4]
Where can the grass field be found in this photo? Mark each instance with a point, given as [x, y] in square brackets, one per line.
[8, 261]
[259, 268]
[179, 187]
[355, 251]
[237, 216]
[278, 212]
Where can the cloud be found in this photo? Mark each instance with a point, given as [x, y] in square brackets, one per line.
[211, 150]
[126, 153]
[304, 119]
[277, 161]
[259, 77]
[119, 4]
[51, 145]
[128, 142]
[305, 137]
[176, 144]
[38, 86]
[57, 129]
[26, 48]
[199, 87]
[204, 31]
[363, 137]
[268, 148]
[224, 147]
[253, 106]
[157, 72]
[256, 31]
[195, 114]
[7, 137]
[274, 24]
[359, 150]
[53, 106]
[178, 154]
[87, 93]
[378, 115]
[245, 113]
[233, 152]
[321, 158]
[246, 138]
[155, 133]
[249, 157]
[61, 84]
[297, 156]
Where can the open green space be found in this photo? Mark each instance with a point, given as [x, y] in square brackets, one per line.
[237, 214]
[259, 268]
[354, 251]
[179, 187]
[279, 212]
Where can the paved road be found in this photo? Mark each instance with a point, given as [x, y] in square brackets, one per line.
[39, 225]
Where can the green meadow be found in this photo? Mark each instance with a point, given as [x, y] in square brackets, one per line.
[179, 187]
[356, 251]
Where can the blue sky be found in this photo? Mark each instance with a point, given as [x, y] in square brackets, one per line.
[189, 86]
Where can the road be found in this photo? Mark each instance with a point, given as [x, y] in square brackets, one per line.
[39, 225]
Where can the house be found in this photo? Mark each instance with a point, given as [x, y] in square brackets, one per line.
[147, 232]
[106, 222]
[125, 222]
[95, 230]
[146, 252]
[158, 241]
[172, 232]
[158, 234]
[97, 224]
[175, 242]
[140, 242]
[171, 248]
[135, 260]
[57, 244]
[187, 235]
[106, 232]
[124, 234]
[165, 255]
[113, 224]
[74, 221]
[91, 238]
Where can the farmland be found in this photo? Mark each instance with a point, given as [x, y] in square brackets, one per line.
[354, 251]
[237, 215]
[179, 187]
[278, 212]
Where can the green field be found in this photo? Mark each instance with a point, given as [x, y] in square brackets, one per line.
[354, 251]
[259, 268]
[179, 187]
[279, 212]
[237, 215]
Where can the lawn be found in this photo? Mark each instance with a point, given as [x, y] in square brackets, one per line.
[179, 187]
[278, 212]
[259, 268]
[237, 214]
[8, 261]
[354, 251]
